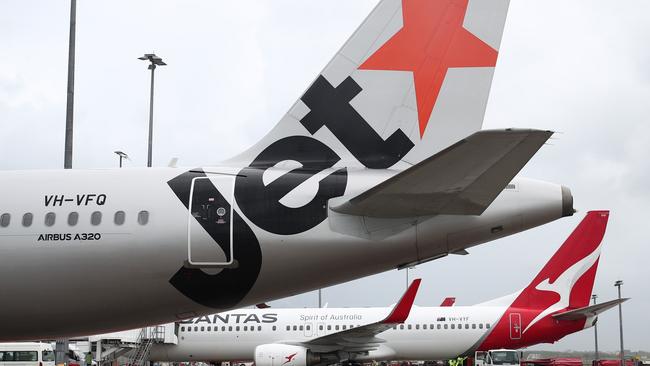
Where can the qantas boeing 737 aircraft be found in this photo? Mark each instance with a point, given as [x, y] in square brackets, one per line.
[553, 305]
[380, 164]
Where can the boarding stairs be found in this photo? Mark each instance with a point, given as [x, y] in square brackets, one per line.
[147, 337]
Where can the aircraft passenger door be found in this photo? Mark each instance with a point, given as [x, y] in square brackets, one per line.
[515, 326]
[309, 329]
[209, 223]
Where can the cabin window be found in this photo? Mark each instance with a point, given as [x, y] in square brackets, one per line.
[209, 329]
[230, 328]
[417, 326]
[26, 356]
[223, 329]
[5, 219]
[143, 217]
[309, 327]
[409, 326]
[329, 327]
[301, 328]
[401, 326]
[96, 218]
[473, 326]
[274, 328]
[6, 356]
[295, 327]
[50, 218]
[237, 328]
[196, 329]
[480, 326]
[288, 327]
[446, 326]
[27, 219]
[48, 356]
[345, 327]
[202, 329]
[487, 326]
[119, 217]
[336, 327]
[431, 326]
[466, 326]
[182, 329]
[73, 218]
[320, 327]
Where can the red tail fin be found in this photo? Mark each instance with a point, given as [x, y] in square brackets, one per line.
[570, 273]
[565, 282]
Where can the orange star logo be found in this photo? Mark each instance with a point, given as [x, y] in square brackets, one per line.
[431, 41]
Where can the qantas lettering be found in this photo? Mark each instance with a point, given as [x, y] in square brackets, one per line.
[233, 319]
[78, 200]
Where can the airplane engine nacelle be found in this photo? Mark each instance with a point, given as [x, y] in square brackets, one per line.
[284, 355]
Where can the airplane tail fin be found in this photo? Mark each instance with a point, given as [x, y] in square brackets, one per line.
[412, 80]
[571, 271]
[562, 286]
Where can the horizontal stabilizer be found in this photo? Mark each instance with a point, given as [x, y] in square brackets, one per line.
[462, 179]
[588, 311]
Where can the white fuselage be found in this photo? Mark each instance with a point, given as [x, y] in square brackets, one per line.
[426, 335]
[98, 274]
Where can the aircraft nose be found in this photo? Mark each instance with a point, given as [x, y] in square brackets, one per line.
[567, 202]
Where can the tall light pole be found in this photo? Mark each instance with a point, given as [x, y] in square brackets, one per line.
[618, 284]
[320, 298]
[122, 155]
[67, 151]
[154, 61]
[63, 345]
[594, 297]
[407, 278]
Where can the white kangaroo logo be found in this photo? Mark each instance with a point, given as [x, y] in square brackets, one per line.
[564, 284]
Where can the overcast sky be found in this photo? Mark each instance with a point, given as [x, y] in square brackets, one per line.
[581, 68]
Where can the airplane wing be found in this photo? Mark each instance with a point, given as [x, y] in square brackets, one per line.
[462, 179]
[588, 311]
[362, 339]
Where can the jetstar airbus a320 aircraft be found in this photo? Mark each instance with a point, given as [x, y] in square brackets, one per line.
[553, 305]
[379, 164]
